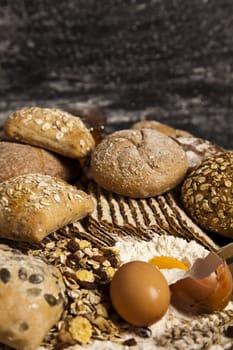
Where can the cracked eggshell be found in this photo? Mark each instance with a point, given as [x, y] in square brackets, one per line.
[205, 288]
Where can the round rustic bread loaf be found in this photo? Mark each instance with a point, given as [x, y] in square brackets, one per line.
[207, 194]
[138, 163]
[161, 127]
[197, 149]
[19, 159]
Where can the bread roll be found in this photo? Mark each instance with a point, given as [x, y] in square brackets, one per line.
[197, 149]
[19, 159]
[207, 194]
[31, 299]
[34, 205]
[52, 129]
[138, 163]
[161, 127]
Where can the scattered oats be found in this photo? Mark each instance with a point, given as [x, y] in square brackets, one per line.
[110, 271]
[84, 244]
[80, 329]
[101, 310]
[85, 275]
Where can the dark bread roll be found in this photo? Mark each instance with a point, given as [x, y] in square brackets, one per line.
[138, 163]
[207, 194]
[19, 159]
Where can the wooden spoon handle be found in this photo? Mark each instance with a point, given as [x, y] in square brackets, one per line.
[226, 253]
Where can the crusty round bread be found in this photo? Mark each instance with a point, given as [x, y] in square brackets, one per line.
[161, 127]
[19, 159]
[207, 194]
[138, 163]
[197, 149]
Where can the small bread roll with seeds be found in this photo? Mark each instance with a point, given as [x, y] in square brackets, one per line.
[31, 300]
[52, 129]
[207, 194]
[161, 127]
[34, 205]
[19, 159]
[138, 163]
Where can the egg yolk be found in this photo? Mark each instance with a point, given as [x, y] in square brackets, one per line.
[168, 262]
[140, 293]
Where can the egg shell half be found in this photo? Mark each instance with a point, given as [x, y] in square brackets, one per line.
[206, 287]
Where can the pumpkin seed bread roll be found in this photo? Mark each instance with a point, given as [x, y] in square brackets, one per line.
[19, 159]
[138, 163]
[34, 205]
[207, 194]
[52, 129]
[31, 300]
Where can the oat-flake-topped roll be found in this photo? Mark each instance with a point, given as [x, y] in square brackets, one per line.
[31, 300]
[34, 205]
[52, 129]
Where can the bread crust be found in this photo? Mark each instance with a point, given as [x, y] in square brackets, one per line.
[161, 127]
[34, 205]
[197, 149]
[52, 129]
[19, 159]
[31, 301]
[206, 194]
[138, 163]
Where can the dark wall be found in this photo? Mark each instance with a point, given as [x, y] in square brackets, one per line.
[165, 59]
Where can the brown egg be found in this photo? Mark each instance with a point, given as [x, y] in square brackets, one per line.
[139, 293]
[206, 287]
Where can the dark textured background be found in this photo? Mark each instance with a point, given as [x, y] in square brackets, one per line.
[171, 60]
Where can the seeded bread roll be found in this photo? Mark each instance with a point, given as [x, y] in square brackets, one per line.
[161, 127]
[207, 194]
[197, 149]
[52, 129]
[138, 163]
[18, 159]
[31, 299]
[34, 205]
